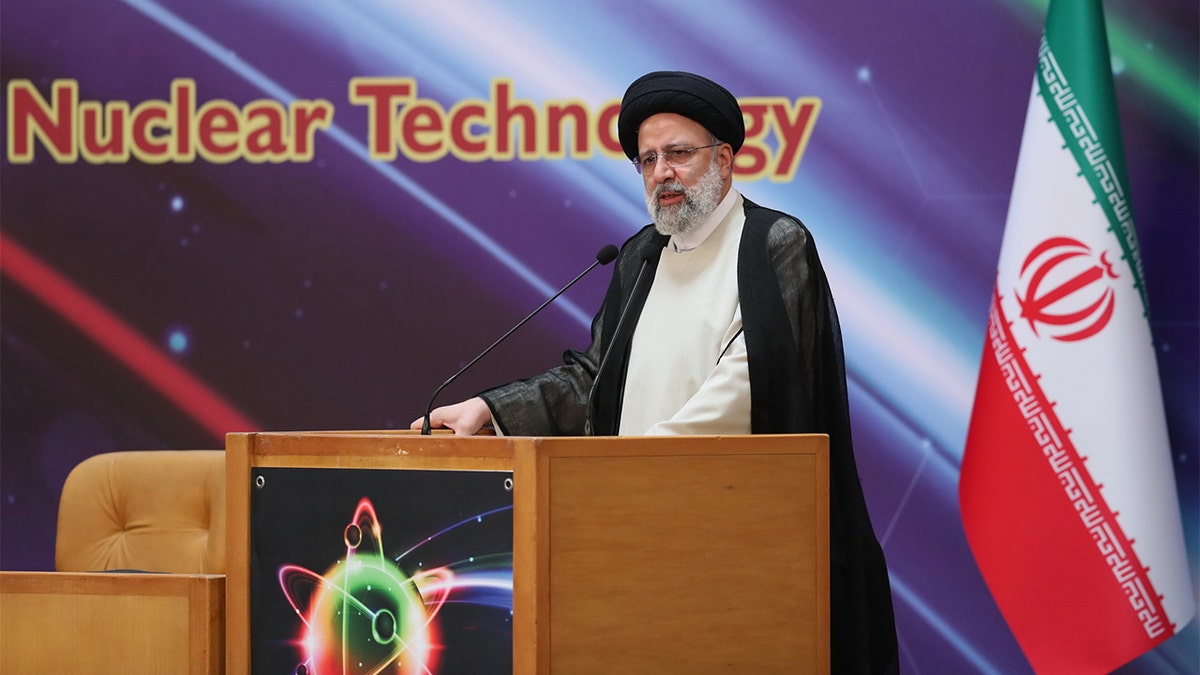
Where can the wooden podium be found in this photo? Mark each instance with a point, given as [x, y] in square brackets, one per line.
[630, 555]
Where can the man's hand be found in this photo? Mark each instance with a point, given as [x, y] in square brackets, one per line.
[465, 418]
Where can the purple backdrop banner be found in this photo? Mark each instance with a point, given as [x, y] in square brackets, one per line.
[256, 214]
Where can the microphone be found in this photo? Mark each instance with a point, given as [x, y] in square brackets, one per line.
[637, 281]
[603, 257]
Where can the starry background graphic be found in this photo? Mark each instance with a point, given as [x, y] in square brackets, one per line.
[339, 292]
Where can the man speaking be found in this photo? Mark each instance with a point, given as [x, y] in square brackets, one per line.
[718, 320]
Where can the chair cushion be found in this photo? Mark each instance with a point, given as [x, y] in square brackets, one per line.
[148, 510]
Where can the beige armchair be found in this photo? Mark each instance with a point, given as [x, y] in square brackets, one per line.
[149, 510]
[153, 511]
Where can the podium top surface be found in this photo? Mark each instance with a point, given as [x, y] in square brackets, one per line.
[368, 448]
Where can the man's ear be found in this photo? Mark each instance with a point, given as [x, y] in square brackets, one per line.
[725, 160]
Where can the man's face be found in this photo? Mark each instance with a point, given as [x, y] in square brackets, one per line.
[680, 196]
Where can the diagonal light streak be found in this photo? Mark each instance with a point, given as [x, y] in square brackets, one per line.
[170, 379]
[231, 60]
[952, 636]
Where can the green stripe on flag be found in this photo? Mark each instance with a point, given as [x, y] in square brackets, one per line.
[1165, 79]
[1074, 78]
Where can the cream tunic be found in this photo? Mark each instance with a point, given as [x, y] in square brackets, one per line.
[688, 372]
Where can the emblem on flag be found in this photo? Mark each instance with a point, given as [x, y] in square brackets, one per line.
[1066, 287]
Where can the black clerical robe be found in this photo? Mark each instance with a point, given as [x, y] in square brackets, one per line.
[797, 385]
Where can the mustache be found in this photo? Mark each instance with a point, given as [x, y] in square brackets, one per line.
[669, 186]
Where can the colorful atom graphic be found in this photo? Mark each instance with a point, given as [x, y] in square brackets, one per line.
[365, 615]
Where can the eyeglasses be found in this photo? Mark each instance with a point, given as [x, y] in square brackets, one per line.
[675, 158]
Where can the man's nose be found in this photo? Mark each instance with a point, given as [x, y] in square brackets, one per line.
[662, 170]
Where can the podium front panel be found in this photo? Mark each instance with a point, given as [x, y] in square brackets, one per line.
[691, 555]
[363, 553]
[374, 570]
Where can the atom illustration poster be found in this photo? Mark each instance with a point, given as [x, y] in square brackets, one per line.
[381, 571]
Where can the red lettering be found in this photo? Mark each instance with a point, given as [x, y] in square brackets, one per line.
[557, 117]
[306, 120]
[148, 117]
[460, 128]
[216, 131]
[606, 129]
[265, 129]
[422, 120]
[506, 114]
[29, 115]
[795, 133]
[378, 94]
[102, 141]
[181, 98]
[752, 159]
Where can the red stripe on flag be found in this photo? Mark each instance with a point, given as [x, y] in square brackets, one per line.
[1062, 571]
[119, 339]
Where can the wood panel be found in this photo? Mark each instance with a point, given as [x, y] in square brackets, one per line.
[61, 622]
[685, 557]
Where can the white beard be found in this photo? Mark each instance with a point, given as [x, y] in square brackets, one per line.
[698, 203]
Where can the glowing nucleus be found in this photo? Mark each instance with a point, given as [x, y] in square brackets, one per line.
[365, 614]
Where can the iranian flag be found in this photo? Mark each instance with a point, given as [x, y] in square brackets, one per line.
[1067, 492]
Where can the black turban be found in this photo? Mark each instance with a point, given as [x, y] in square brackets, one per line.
[692, 96]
